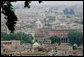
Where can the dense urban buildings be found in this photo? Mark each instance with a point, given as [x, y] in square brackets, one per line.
[43, 22]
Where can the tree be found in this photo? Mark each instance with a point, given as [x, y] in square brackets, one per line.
[66, 12]
[75, 38]
[55, 39]
[74, 47]
[7, 10]
[3, 35]
[24, 38]
[80, 22]
[71, 12]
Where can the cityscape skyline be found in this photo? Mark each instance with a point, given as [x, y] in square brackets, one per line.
[52, 28]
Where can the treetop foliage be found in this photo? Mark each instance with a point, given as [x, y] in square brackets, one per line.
[7, 10]
[55, 39]
[75, 38]
[24, 38]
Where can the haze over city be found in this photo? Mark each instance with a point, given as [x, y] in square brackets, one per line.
[50, 28]
[53, 3]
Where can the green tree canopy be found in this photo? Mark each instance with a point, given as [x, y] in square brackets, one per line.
[75, 38]
[24, 38]
[55, 39]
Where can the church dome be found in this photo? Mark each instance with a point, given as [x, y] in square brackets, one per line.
[35, 45]
[38, 22]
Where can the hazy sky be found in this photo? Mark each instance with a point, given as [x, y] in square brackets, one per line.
[53, 2]
[59, 2]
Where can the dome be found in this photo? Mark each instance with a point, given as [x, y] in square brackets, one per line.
[38, 22]
[35, 44]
